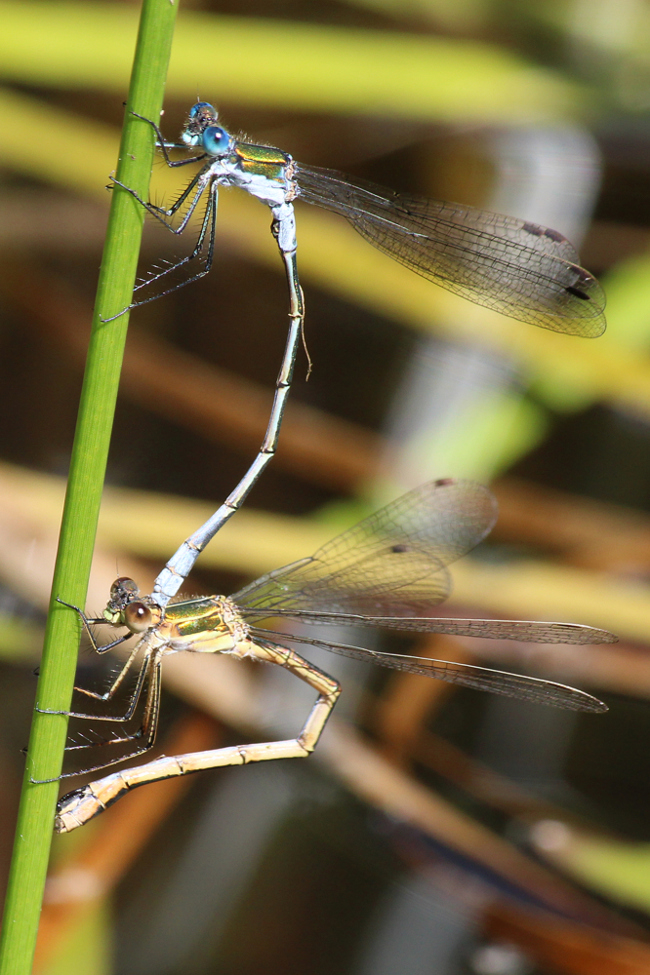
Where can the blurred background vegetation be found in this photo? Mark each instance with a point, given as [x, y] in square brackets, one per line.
[436, 830]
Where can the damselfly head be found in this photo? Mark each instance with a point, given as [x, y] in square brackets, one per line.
[126, 607]
[202, 114]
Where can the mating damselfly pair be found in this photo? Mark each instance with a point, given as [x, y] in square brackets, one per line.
[389, 570]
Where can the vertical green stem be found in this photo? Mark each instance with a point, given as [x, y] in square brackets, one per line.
[81, 511]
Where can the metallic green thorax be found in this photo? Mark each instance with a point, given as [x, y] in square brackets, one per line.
[206, 625]
[262, 160]
[192, 616]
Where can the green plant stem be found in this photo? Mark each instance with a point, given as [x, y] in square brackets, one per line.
[83, 498]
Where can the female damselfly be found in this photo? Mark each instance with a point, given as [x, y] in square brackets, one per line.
[389, 571]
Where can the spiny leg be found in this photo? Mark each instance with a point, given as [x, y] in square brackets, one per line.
[172, 576]
[161, 143]
[79, 806]
[112, 690]
[144, 679]
[95, 621]
[146, 733]
[209, 222]
[200, 181]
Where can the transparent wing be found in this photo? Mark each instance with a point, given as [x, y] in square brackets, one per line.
[390, 564]
[480, 678]
[518, 268]
[526, 631]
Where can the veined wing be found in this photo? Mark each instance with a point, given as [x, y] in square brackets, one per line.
[533, 689]
[390, 564]
[520, 269]
[526, 631]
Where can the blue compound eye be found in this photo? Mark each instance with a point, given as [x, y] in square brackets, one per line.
[202, 109]
[216, 140]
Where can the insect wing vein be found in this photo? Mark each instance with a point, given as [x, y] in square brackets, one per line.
[520, 269]
[390, 564]
[534, 689]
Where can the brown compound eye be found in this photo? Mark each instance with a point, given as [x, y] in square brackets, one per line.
[138, 617]
[124, 586]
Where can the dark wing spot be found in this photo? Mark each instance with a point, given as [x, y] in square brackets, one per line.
[534, 229]
[577, 293]
[444, 481]
[399, 548]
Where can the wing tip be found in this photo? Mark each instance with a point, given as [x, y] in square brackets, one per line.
[598, 636]
[593, 705]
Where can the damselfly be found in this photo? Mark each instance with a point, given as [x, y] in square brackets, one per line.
[387, 571]
[515, 267]
[518, 268]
